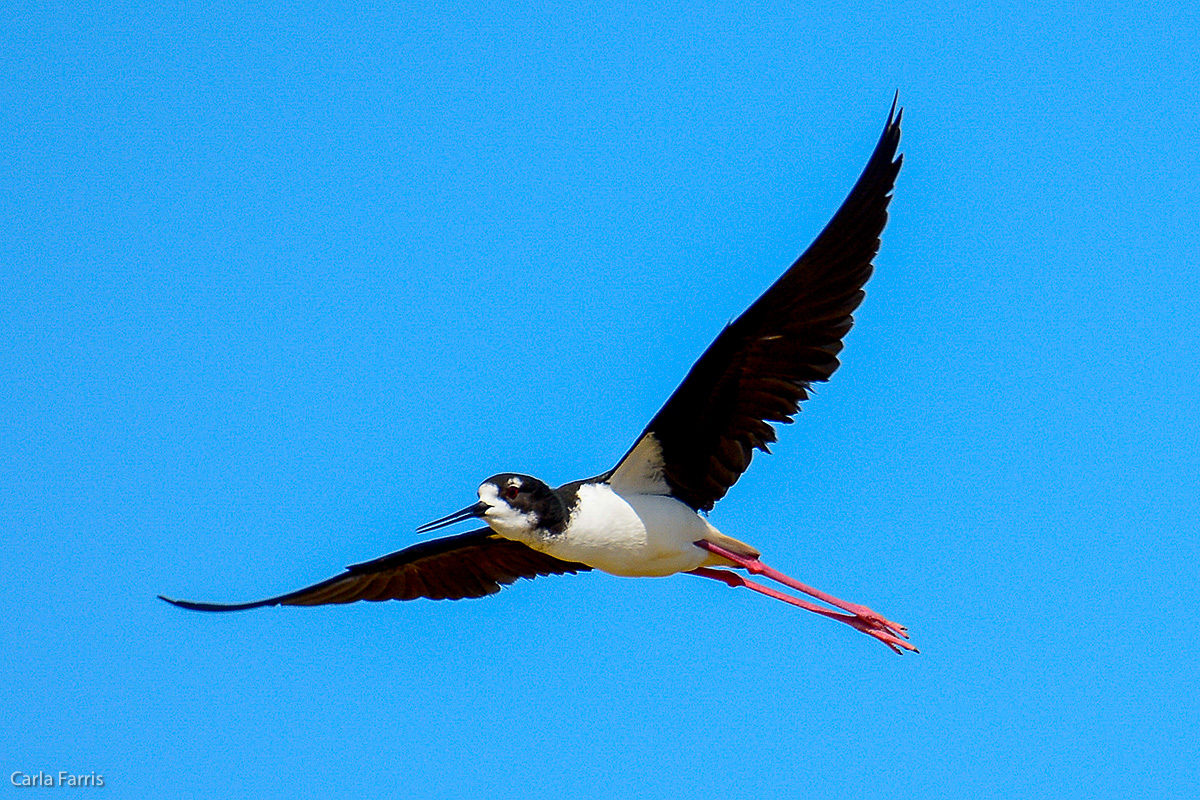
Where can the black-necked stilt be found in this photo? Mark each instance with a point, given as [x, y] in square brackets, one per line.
[642, 517]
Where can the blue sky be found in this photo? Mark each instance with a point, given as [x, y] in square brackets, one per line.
[279, 286]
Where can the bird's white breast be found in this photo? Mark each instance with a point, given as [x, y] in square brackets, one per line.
[634, 535]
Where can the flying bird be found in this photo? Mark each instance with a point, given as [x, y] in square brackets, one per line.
[647, 515]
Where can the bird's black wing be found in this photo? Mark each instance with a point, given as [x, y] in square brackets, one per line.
[761, 365]
[471, 564]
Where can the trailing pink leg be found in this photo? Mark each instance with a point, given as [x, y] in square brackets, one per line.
[860, 617]
[733, 579]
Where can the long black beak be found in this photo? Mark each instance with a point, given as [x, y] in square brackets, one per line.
[470, 512]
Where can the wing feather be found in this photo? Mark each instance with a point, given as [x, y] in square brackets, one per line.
[472, 564]
[761, 366]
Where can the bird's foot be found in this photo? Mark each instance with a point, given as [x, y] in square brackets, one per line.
[893, 634]
[876, 620]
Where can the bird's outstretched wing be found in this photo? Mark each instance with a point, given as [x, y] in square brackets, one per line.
[471, 564]
[760, 367]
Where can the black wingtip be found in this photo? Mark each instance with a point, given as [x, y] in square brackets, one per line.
[895, 115]
[192, 606]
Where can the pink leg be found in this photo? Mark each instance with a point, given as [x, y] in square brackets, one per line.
[860, 617]
[733, 579]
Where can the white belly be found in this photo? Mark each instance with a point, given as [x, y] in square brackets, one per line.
[635, 536]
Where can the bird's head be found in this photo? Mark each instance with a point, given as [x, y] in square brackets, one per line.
[517, 507]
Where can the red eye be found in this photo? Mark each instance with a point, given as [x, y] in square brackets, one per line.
[511, 492]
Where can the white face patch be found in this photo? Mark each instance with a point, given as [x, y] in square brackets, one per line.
[503, 518]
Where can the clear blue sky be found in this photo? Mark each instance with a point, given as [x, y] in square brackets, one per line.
[280, 285]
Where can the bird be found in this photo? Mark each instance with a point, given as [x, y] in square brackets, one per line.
[648, 515]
